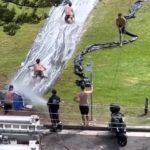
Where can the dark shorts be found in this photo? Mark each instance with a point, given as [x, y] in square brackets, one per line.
[84, 110]
[54, 115]
[122, 30]
[7, 107]
[67, 17]
[39, 74]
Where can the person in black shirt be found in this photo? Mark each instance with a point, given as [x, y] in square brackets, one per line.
[53, 106]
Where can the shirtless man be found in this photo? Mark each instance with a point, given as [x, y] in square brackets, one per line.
[121, 24]
[8, 99]
[82, 99]
[69, 13]
[38, 69]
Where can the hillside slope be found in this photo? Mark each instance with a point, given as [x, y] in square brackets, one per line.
[120, 74]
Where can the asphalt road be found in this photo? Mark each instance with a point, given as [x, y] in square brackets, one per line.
[93, 140]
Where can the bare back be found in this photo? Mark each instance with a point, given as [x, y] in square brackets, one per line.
[121, 22]
[83, 98]
[9, 96]
[69, 11]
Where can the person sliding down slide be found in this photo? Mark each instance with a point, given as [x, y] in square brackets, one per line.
[69, 13]
[38, 69]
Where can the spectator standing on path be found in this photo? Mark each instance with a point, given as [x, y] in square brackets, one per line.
[121, 24]
[53, 106]
[82, 99]
[8, 99]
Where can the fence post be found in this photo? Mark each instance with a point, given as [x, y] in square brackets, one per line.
[89, 69]
[146, 106]
[91, 78]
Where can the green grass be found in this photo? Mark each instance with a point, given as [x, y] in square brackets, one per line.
[120, 75]
[24, 9]
[13, 49]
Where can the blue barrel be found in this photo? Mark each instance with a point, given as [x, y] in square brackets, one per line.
[17, 102]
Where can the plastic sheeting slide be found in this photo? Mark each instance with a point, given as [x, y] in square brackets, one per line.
[54, 45]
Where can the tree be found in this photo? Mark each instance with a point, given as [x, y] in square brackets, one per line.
[9, 18]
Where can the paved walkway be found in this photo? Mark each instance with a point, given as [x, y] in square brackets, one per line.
[93, 140]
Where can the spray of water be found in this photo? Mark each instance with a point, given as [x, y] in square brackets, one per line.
[29, 94]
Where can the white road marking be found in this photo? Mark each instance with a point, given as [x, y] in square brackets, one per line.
[104, 133]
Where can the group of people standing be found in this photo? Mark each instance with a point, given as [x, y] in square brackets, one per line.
[53, 104]
[81, 98]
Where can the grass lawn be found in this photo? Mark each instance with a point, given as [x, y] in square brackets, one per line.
[120, 75]
[13, 49]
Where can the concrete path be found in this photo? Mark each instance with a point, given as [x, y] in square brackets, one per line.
[93, 140]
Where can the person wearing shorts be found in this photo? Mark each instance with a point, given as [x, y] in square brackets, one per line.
[8, 99]
[84, 109]
[53, 107]
[82, 99]
[121, 25]
[69, 13]
[38, 69]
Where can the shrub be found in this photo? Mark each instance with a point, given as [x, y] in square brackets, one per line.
[8, 15]
[21, 18]
[44, 16]
[1, 23]
[56, 2]
[11, 28]
[12, 32]
[34, 18]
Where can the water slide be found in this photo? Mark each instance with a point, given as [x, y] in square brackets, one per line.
[54, 45]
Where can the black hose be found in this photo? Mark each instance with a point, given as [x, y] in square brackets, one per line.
[78, 68]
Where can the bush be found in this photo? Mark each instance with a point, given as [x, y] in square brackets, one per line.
[35, 19]
[42, 3]
[3, 5]
[8, 15]
[2, 11]
[1, 23]
[22, 18]
[11, 28]
[44, 16]
[56, 2]
[12, 32]
[10, 21]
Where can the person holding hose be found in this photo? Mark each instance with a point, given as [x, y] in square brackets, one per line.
[121, 25]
